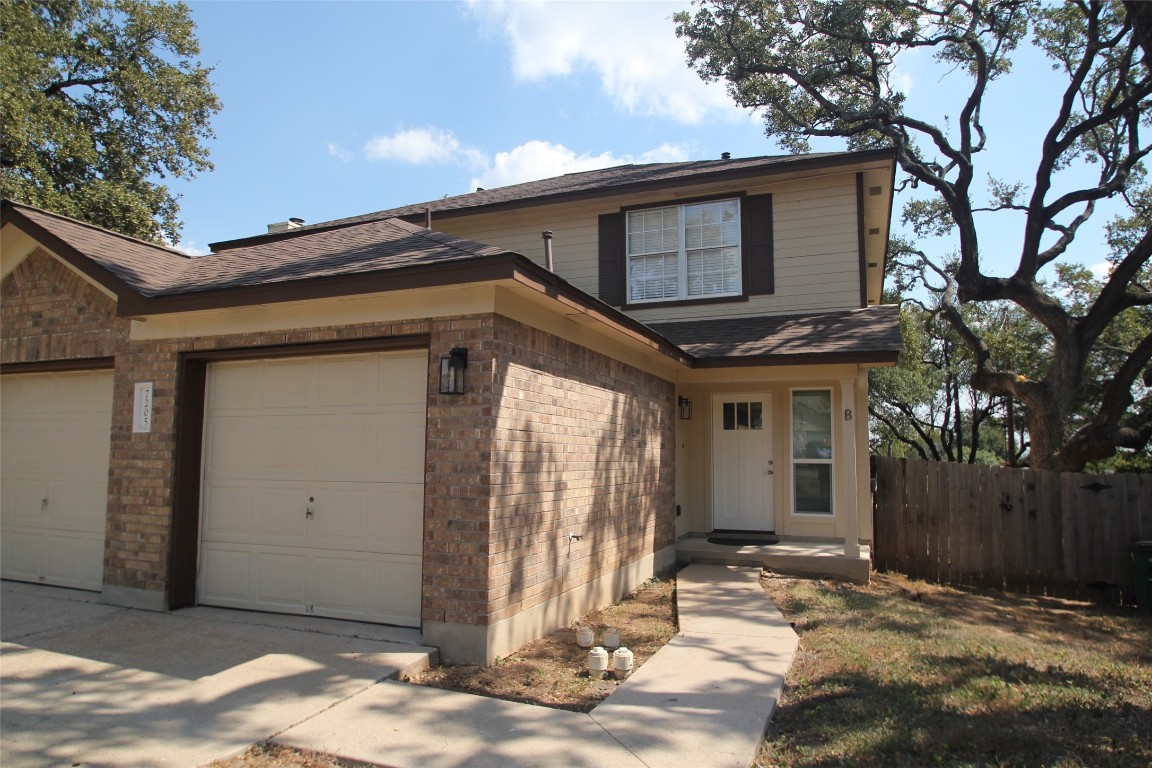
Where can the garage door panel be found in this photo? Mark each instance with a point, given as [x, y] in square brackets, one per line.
[404, 380]
[23, 500]
[75, 560]
[288, 384]
[55, 433]
[330, 434]
[347, 447]
[348, 382]
[340, 586]
[399, 599]
[282, 517]
[225, 575]
[234, 390]
[279, 580]
[228, 512]
[78, 505]
[21, 554]
[282, 450]
[230, 447]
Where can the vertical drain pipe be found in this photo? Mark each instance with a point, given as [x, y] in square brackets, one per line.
[547, 235]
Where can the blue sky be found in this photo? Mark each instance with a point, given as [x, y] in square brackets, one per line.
[333, 109]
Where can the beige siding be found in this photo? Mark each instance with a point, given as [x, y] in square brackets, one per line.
[815, 229]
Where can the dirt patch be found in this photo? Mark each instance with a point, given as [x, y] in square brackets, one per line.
[552, 671]
[273, 756]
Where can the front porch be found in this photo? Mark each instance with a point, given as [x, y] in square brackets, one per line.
[797, 557]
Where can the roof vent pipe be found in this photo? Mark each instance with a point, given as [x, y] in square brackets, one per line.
[725, 155]
[428, 217]
[284, 226]
[547, 235]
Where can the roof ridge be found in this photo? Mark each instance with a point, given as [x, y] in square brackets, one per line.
[98, 228]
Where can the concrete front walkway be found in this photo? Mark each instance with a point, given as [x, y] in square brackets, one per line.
[703, 700]
[93, 685]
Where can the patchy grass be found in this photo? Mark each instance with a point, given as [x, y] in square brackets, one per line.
[902, 673]
[551, 671]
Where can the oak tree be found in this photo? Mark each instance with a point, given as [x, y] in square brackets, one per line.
[824, 68]
[101, 101]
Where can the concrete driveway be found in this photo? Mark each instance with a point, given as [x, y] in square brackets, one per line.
[85, 684]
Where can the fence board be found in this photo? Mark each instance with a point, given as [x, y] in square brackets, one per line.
[1022, 530]
[932, 521]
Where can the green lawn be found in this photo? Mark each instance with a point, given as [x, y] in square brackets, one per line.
[903, 673]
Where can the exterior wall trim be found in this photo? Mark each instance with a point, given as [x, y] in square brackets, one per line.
[51, 366]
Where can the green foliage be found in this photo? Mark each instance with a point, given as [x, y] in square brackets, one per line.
[1080, 363]
[102, 99]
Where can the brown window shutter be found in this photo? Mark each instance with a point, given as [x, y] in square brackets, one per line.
[612, 269]
[759, 260]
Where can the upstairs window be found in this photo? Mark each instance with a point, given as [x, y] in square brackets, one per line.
[681, 252]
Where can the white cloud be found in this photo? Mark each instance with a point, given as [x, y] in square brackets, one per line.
[541, 160]
[191, 249]
[419, 146]
[632, 46]
[338, 152]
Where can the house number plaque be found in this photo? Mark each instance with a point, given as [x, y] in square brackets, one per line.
[142, 408]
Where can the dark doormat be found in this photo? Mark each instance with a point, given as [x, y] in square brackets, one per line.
[743, 541]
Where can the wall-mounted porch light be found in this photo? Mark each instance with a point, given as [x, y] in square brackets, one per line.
[685, 408]
[452, 371]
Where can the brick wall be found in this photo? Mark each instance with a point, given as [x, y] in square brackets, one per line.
[49, 312]
[583, 444]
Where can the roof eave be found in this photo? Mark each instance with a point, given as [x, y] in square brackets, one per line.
[482, 269]
[721, 174]
[889, 357]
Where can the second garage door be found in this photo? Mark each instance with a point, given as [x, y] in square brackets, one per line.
[313, 489]
[55, 431]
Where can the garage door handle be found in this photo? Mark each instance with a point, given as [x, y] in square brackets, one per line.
[309, 511]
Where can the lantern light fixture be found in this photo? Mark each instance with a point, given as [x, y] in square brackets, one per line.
[685, 408]
[452, 371]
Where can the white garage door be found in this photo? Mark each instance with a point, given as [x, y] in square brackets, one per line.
[55, 432]
[313, 492]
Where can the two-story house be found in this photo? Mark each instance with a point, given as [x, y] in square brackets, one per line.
[439, 416]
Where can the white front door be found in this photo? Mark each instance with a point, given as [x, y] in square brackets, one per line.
[743, 468]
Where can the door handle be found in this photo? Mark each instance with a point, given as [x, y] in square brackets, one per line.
[310, 511]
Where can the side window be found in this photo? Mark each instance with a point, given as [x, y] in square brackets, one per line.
[812, 452]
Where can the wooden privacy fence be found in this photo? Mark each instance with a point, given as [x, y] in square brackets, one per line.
[1019, 530]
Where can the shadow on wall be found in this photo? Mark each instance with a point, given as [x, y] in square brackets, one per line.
[588, 470]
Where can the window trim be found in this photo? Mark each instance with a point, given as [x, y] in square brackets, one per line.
[829, 462]
[742, 296]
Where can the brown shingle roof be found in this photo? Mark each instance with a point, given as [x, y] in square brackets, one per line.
[860, 335]
[153, 270]
[604, 180]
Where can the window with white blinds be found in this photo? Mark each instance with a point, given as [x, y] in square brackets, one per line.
[684, 251]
